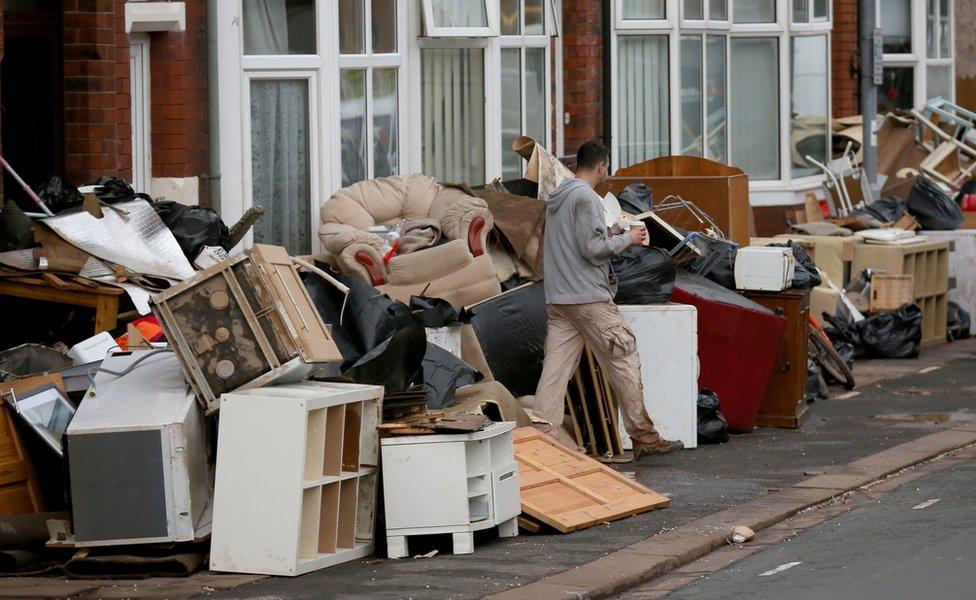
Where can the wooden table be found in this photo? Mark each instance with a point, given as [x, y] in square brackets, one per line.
[104, 299]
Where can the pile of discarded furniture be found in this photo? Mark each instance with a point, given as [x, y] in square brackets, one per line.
[240, 409]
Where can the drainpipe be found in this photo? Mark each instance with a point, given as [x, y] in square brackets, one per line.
[213, 106]
[606, 21]
[870, 37]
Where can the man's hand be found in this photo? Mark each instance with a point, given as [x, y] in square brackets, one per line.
[638, 235]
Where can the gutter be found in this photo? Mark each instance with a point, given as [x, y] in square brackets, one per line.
[607, 23]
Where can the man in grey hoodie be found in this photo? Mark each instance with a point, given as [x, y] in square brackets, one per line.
[580, 287]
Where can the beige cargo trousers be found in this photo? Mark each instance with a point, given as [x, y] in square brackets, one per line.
[600, 327]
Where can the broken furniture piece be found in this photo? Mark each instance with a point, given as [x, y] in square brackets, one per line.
[19, 490]
[569, 490]
[138, 456]
[667, 340]
[245, 322]
[459, 271]
[296, 477]
[456, 483]
[593, 413]
[103, 298]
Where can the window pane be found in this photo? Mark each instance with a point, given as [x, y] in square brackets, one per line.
[937, 83]
[452, 84]
[930, 9]
[715, 80]
[800, 11]
[534, 17]
[809, 102]
[459, 13]
[643, 98]
[718, 10]
[384, 23]
[896, 26]
[511, 112]
[643, 9]
[279, 26]
[821, 9]
[280, 163]
[691, 95]
[509, 17]
[694, 10]
[945, 41]
[754, 106]
[352, 111]
[754, 11]
[352, 27]
[535, 94]
[386, 133]
[898, 88]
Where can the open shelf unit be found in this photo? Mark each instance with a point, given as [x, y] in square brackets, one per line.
[928, 264]
[296, 477]
[470, 480]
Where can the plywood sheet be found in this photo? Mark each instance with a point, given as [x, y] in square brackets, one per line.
[569, 491]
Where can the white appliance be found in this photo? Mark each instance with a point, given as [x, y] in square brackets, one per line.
[93, 349]
[450, 483]
[962, 266]
[296, 477]
[667, 340]
[138, 456]
[764, 269]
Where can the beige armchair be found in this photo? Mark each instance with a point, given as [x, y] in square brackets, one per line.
[459, 271]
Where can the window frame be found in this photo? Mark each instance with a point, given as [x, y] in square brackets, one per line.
[432, 30]
[918, 59]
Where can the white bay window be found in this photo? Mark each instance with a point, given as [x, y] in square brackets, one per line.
[918, 46]
[744, 82]
[314, 95]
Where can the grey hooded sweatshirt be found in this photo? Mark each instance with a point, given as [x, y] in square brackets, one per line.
[578, 247]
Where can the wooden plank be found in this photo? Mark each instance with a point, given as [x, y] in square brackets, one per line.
[528, 524]
[568, 490]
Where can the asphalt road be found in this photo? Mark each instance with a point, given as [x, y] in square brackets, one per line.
[918, 541]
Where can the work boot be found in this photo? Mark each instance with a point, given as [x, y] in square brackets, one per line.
[662, 447]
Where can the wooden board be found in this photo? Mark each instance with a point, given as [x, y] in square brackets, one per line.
[19, 491]
[569, 491]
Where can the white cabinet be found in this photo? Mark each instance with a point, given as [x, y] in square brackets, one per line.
[667, 340]
[296, 477]
[452, 483]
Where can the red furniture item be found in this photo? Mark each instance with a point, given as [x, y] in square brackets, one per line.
[737, 344]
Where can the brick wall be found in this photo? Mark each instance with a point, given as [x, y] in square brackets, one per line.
[844, 59]
[98, 119]
[582, 71]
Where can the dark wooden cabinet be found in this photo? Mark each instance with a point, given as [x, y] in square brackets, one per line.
[785, 402]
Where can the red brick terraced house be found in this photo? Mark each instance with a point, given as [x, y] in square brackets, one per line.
[232, 103]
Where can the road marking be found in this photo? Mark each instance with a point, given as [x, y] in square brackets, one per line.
[930, 369]
[926, 504]
[780, 569]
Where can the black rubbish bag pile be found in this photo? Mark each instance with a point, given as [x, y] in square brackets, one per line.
[896, 334]
[958, 323]
[193, 227]
[112, 189]
[383, 342]
[886, 210]
[712, 426]
[933, 208]
[644, 276]
[58, 195]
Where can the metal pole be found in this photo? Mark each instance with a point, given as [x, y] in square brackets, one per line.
[870, 48]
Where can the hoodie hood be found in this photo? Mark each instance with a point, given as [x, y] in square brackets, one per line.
[559, 195]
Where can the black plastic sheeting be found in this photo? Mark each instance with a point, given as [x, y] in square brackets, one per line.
[113, 189]
[636, 199]
[511, 330]
[59, 195]
[886, 210]
[437, 312]
[931, 207]
[193, 227]
[805, 274]
[896, 334]
[958, 322]
[383, 342]
[644, 276]
[712, 426]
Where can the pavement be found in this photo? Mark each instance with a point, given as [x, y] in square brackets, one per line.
[914, 542]
[703, 484]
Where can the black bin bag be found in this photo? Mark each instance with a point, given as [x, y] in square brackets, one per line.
[644, 276]
[896, 334]
[958, 322]
[712, 426]
[193, 227]
[636, 199]
[933, 208]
